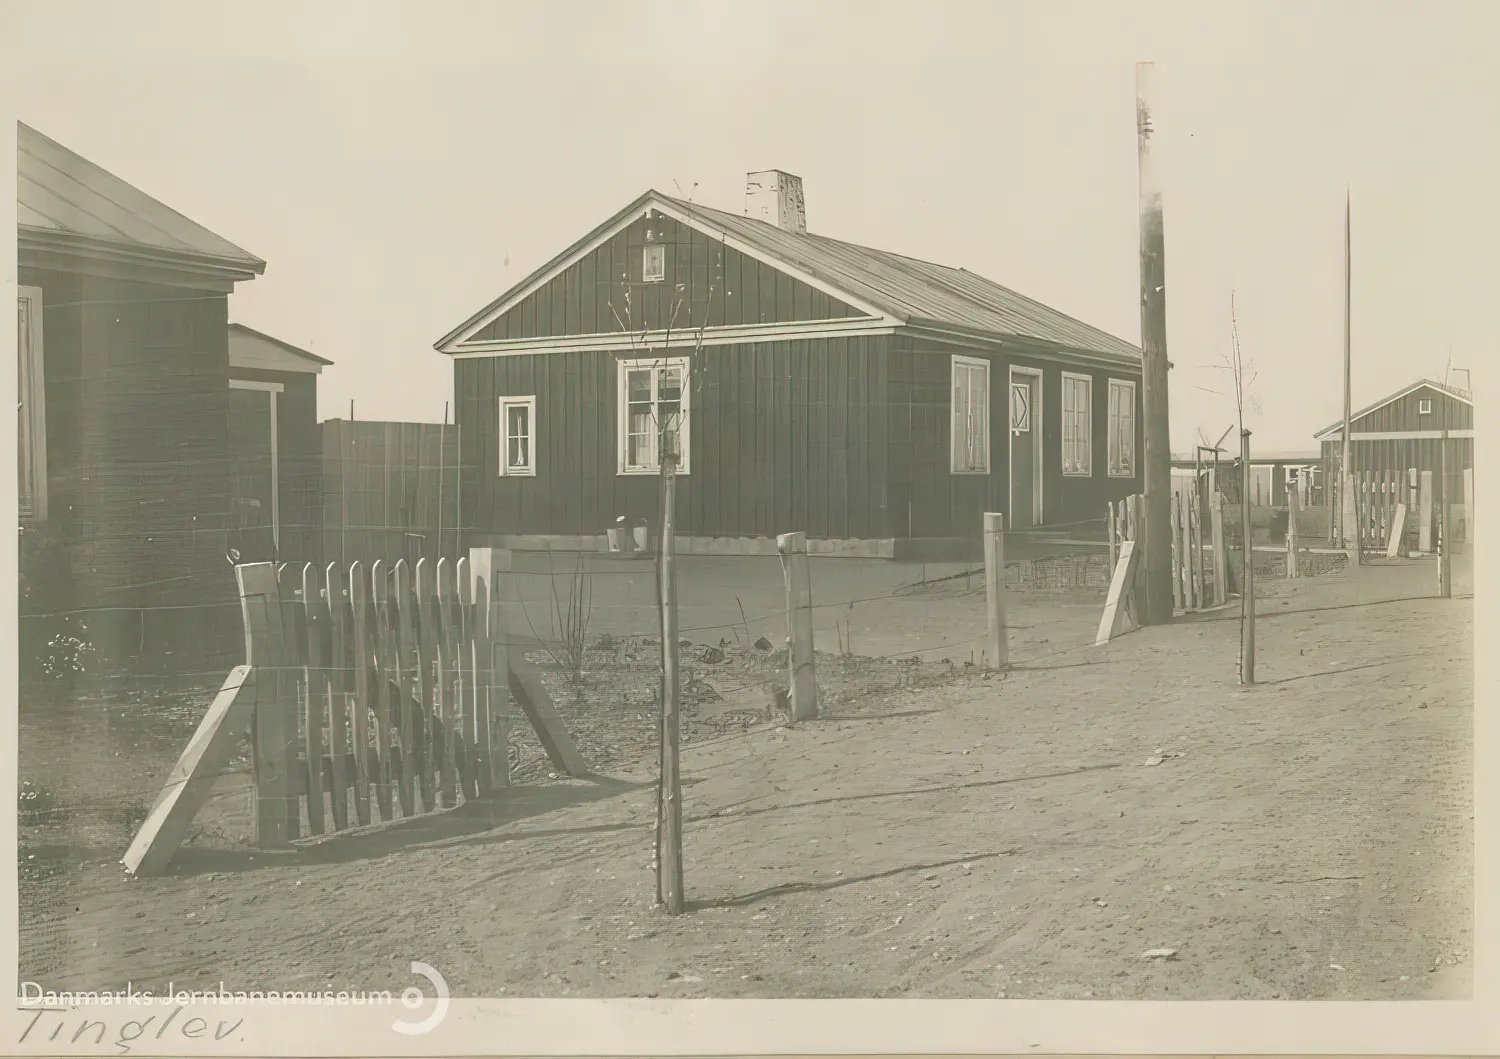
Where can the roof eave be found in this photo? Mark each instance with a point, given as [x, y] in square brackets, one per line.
[47, 239]
[1041, 346]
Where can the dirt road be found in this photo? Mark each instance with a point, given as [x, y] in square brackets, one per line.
[1031, 836]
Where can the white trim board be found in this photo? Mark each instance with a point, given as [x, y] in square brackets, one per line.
[256, 384]
[643, 342]
[644, 209]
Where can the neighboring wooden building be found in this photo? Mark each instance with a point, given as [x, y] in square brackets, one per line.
[1398, 438]
[871, 400]
[1272, 476]
[276, 489]
[124, 452]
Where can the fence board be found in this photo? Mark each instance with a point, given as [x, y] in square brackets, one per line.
[314, 695]
[408, 684]
[469, 649]
[428, 664]
[446, 681]
[385, 775]
[338, 699]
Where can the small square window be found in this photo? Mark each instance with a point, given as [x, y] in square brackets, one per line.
[1424, 406]
[654, 264]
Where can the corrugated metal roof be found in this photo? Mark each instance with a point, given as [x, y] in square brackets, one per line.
[60, 192]
[916, 291]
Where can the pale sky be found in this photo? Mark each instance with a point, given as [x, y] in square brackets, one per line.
[400, 164]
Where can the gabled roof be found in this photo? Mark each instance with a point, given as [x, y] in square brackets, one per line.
[905, 290]
[66, 202]
[249, 348]
[1455, 393]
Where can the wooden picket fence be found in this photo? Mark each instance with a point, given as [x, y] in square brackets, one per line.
[368, 697]
[389, 681]
[1199, 575]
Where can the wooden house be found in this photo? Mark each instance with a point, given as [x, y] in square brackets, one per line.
[879, 403]
[1398, 439]
[276, 486]
[123, 425]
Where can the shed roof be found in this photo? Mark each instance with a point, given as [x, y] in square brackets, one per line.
[64, 198]
[243, 352]
[1452, 391]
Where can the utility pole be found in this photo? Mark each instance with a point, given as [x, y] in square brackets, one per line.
[1349, 503]
[1157, 484]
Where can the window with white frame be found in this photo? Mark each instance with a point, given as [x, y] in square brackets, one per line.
[518, 436]
[1424, 406]
[1121, 428]
[654, 263]
[1077, 440]
[653, 412]
[31, 440]
[971, 416]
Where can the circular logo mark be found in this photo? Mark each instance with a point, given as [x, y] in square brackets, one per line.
[413, 998]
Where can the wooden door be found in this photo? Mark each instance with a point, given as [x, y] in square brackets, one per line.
[253, 476]
[1025, 487]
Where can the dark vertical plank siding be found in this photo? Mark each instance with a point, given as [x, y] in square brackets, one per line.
[763, 426]
[1405, 414]
[137, 392]
[719, 286]
[928, 500]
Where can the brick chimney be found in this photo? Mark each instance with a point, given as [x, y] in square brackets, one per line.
[776, 198]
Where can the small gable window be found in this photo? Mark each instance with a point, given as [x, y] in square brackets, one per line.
[1424, 406]
[654, 263]
[518, 436]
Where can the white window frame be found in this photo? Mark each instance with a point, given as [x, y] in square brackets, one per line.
[1424, 406]
[657, 365]
[962, 420]
[31, 379]
[507, 470]
[654, 276]
[1111, 454]
[1067, 422]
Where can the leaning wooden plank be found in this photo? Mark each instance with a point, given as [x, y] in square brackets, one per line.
[1398, 527]
[260, 606]
[526, 685]
[1117, 619]
[192, 779]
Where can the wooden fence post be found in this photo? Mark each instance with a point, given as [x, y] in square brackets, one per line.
[1195, 531]
[994, 586]
[1221, 561]
[1424, 517]
[265, 653]
[1293, 508]
[1247, 585]
[1114, 542]
[804, 691]
[1174, 529]
[491, 567]
[315, 695]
